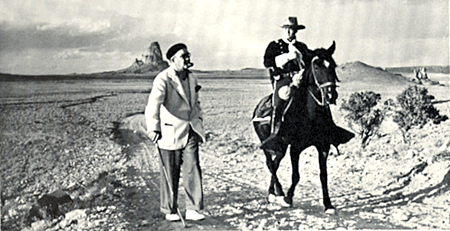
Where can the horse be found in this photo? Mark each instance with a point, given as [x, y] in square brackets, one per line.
[307, 121]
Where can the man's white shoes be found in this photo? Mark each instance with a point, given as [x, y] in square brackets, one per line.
[190, 215]
[194, 215]
[173, 217]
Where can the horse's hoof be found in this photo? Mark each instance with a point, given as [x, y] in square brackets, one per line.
[330, 211]
[281, 200]
[272, 198]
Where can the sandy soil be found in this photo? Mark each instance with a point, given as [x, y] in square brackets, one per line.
[388, 185]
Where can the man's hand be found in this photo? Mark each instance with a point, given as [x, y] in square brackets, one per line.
[282, 59]
[297, 78]
[154, 136]
[292, 55]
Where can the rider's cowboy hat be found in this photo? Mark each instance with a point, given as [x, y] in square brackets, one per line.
[292, 23]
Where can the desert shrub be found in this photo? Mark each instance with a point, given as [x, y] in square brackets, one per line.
[415, 109]
[389, 104]
[362, 111]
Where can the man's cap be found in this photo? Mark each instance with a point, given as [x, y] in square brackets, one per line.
[292, 22]
[174, 49]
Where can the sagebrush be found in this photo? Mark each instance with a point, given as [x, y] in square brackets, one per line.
[362, 110]
[415, 109]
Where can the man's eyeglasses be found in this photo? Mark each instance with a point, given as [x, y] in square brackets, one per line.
[185, 56]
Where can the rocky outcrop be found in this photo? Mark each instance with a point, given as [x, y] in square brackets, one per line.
[155, 57]
[150, 62]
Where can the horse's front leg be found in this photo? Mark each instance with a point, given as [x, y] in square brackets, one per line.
[295, 157]
[275, 188]
[323, 151]
[270, 166]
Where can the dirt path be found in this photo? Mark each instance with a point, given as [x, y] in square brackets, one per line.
[388, 186]
[240, 198]
[236, 198]
[143, 156]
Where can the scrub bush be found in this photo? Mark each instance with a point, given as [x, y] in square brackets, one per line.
[415, 109]
[362, 111]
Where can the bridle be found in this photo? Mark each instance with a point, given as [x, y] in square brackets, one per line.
[322, 87]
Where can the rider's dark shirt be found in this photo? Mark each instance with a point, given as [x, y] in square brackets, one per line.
[279, 47]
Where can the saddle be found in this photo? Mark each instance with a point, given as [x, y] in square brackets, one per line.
[264, 110]
[264, 114]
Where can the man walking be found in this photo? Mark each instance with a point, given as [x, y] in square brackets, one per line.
[173, 118]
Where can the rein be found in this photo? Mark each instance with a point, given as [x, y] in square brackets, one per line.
[319, 86]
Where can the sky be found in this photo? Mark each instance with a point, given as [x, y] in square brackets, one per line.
[84, 36]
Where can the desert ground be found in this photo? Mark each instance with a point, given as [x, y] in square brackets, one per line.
[83, 139]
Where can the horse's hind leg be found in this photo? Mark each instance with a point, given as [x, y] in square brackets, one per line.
[323, 151]
[275, 188]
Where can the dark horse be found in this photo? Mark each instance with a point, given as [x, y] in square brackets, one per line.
[307, 122]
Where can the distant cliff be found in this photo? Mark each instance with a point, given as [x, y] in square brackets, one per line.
[150, 62]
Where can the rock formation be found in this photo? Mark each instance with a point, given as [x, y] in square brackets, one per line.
[151, 62]
[155, 56]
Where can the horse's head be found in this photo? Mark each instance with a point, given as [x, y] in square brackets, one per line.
[322, 76]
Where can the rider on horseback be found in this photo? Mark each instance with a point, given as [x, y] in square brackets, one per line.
[286, 59]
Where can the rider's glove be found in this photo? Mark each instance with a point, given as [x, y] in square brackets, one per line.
[297, 78]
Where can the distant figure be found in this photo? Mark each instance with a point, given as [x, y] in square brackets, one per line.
[174, 121]
[286, 59]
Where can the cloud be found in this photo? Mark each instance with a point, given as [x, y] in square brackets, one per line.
[79, 26]
[74, 35]
[69, 54]
[44, 36]
[220, 34]
[50, 24]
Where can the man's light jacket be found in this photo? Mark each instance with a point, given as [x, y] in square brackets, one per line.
[170, 112]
